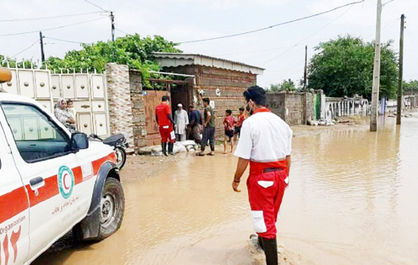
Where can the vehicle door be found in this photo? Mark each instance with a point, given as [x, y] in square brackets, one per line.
[14, 209]
[49, 170]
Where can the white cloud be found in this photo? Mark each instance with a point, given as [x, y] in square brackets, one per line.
[226, 4]
[279, 50]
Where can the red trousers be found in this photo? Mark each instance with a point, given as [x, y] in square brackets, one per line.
[167, 134]
[265, 193]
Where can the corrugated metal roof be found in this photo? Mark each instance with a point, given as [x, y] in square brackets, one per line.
[180, 59]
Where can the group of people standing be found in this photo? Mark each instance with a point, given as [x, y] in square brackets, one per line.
[195, 126]
[65, 113]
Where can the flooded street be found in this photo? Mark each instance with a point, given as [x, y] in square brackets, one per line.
[352, 199]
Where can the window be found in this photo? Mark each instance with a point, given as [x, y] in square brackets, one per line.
[36, 137]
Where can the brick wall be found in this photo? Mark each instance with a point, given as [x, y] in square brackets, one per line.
[309, 107]
[293, 107]
[276, 103]
[127, 107]
[231, 85]
[138, 109]
[120, 107]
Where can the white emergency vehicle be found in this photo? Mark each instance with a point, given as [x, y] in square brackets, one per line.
[51, 181]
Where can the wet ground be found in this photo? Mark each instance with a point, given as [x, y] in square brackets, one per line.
[352, 199]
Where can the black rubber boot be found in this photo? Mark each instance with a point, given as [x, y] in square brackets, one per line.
[170, 148]
[270, 250]
[260, 243]
[164, 148]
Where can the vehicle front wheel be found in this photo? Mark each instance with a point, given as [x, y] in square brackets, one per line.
[112, 206]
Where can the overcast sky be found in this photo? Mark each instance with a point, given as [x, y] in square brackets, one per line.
[279, 50]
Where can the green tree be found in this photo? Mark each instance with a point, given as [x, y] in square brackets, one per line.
[285, 85]
[8, 62]
[344, 67]
[412, 85]
[132, 50]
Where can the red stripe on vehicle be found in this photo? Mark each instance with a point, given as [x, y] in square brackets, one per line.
[49, 190]
[12, 203]
[78, 175]
[15, 202]
[98, 163]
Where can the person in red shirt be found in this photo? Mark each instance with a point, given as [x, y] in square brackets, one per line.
[165, 123]
[238, 124]
[229, 123]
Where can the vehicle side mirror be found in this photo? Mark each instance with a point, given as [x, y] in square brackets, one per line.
[79, 141]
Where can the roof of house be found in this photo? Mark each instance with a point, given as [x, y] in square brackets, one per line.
[181, 59]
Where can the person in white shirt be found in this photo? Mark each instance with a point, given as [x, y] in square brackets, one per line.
[70, 108]
[181, 118]
[63, 115]
[265, 143]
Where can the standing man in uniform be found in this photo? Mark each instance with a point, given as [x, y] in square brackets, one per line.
[208, 129]
[165, 123]
[265, 144]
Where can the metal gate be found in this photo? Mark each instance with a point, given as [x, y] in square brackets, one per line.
[87, 90]
[316, 106]
[151, 99]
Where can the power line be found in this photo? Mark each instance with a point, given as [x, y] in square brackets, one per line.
[25, 49]
[69, 41]
[306, 38]
[273, 26]
[111, 16]
[387, 2]
[285, 49]
[48, 17]
[121, 31]
[51, 28]
[97, 6]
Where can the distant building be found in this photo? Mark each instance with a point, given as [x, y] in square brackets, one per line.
[223, 81]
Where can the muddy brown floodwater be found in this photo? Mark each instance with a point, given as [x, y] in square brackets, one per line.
[352, 199]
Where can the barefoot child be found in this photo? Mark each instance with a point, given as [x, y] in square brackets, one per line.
[229, 123]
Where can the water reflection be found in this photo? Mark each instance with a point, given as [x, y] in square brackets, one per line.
[351, 200]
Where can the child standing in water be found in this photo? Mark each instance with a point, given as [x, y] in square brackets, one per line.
[229, 123]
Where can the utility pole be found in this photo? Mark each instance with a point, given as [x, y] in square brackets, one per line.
[305, 73]
[376, 70]
[42, 47]
[112, 20]
[400, 78]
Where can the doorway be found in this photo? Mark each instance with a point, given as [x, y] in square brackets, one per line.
[179, 91]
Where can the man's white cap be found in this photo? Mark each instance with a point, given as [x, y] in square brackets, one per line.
[179, 105]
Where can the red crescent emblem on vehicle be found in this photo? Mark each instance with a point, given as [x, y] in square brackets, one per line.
[65, 183]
